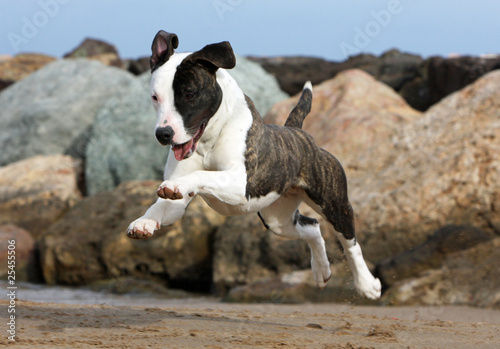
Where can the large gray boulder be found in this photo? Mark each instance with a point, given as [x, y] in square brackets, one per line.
[258, 84]
[44, 113]
[122, 145]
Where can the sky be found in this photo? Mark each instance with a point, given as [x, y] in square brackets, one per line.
[330, 29]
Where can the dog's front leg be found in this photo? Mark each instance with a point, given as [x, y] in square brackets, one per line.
[163, 212]
[227, 186]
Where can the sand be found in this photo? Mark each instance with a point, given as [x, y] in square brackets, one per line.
[212, 324]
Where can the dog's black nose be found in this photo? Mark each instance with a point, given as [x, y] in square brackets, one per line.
[164, 135]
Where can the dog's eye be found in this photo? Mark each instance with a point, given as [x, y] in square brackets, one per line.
[189, 96]
[154, 98]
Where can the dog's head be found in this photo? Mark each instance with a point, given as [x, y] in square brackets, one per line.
[185, 91]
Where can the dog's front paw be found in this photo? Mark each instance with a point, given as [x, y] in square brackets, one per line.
[369, 287]
[142, 228]
[173, 191]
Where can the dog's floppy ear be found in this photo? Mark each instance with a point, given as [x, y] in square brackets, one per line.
[215, 56]
[162, 48]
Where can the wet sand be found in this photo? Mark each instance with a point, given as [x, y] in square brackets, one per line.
[211, 324]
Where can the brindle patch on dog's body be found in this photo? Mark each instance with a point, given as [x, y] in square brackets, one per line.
[281, 157]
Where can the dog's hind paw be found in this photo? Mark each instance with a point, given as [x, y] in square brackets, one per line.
[142, 228]
[322, 274]
[370, 288]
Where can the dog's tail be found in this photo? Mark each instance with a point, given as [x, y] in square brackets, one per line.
[303, 107]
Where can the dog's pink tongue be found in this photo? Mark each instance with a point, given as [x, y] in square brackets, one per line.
[180, 151]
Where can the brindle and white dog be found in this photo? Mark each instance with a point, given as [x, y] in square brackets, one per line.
[223, 152]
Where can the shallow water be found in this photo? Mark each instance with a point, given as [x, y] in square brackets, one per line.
[81, 295]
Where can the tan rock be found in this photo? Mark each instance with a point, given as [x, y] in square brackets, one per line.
[4, 57]
[445, 170]
[110, 59]
[353, 116]
[37, 191]
[90, 243]
[20, 66]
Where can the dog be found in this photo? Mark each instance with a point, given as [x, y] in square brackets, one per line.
[221, 150]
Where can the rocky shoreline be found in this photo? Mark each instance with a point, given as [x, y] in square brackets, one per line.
[419, 140]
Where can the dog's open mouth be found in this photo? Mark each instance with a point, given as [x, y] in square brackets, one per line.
[185, 150]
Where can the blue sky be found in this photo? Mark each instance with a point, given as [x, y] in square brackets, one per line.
[331, 29]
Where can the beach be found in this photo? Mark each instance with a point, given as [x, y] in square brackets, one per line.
[209, 323]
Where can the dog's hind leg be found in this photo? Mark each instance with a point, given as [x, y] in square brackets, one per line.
[341, 217]
[331, 201]
[343, 222]
[283, 219]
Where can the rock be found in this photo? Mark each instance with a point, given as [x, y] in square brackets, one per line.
[353, 103]
[430, 254]
[5, 57]
[141, 286]
[416, 92]
[109, 59]
[20, 66]
[468, 277]
[443, 170]
[97, 50]
[91, 47]
[449, 75]
[90, 242]
[121, 144]
[421, 83]
[292, 72]
[408, 174]
[138, 66]
[299, 287]
[21, 246]
[245, 252]
[257, 84]
[37, 191]
[64, 98]
[393, 68]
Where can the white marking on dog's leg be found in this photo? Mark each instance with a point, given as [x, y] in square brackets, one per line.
[280, 217]
[162, 212]
[366, 285]
[319, 260]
